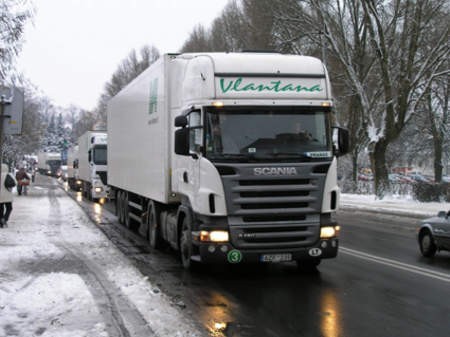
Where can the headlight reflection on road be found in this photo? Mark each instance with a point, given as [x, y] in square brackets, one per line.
[98, 212]
[79, 197]
[217, 315]
[330, 324]
[218, 328]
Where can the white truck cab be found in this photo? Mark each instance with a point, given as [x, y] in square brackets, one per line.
[236, 156]
[93, 165]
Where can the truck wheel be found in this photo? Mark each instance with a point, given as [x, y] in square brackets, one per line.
[154, 234]
[119, 207]
[427, 245]
[186, 244]
[308, 265]
[126, 215]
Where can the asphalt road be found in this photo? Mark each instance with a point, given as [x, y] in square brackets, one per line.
[379, 285]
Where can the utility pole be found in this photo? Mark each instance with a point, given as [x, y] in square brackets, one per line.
[3, 103]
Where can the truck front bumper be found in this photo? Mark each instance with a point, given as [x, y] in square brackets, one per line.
[217, 253]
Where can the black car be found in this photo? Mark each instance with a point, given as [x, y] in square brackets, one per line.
[434, 234]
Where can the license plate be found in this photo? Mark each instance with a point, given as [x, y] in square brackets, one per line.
[276, 257]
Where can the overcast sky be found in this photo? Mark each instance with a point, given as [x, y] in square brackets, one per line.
[74, 46]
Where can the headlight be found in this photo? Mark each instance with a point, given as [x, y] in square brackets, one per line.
[214, 236]
[98, 189]
[329, 232]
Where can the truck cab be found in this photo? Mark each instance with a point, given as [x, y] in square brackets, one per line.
[92, 164]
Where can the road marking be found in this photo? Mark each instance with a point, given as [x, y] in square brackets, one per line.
[396, 264]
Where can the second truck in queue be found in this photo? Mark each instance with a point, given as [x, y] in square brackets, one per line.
[91, 165]
[229, 157]
[49, 162]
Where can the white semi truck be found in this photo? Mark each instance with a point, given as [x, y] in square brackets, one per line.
[229, 157]
[49, 163]
[92, 164]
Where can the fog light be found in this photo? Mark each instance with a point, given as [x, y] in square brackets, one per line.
[324, 244]
[211, 249]
[214, 236]
[329, 232]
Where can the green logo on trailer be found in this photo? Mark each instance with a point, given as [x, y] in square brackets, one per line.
[234, 256]
[153, 96]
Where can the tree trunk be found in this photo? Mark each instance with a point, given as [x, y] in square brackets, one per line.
[438, 148]
[354, 170]
[379, 168]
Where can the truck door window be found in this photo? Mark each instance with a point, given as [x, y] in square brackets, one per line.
[195, 131]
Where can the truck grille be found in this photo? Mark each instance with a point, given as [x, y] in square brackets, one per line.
[273, 212]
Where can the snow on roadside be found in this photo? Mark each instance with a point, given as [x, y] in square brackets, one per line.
[393, 205]
[42, 295]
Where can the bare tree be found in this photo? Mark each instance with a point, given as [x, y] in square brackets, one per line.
[198, 41]
[13, 16]
[379, 46]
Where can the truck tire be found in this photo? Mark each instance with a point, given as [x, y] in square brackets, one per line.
[154, 228]
[186, 244]
[126, 215]
[119, 207]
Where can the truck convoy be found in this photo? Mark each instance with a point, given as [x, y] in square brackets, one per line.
[229, 157]
[49, 163]
[91, 163]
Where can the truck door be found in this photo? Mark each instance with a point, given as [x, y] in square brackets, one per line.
[195, 145]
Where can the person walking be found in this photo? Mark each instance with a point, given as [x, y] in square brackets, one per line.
[23, 180]
[6, 196]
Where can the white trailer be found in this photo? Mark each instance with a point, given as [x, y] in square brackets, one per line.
[72, 169]
[49, 163]
[92, 164]
[229, 157]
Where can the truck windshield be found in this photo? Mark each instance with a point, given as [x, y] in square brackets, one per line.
[267, 133]
[100, 155]
[54, 164]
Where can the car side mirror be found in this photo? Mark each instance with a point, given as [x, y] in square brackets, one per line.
[182, 141]
[442, 214]
[341, 140]
[181, 121]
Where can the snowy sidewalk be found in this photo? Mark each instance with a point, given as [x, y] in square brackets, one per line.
[392, 206]
[61, 277]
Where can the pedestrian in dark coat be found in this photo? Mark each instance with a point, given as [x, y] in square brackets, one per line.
[6, 195]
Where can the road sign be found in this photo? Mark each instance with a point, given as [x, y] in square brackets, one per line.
[11, 101]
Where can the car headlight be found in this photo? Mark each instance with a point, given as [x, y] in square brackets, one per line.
[214, 236]
[98, 189]
[329, 231]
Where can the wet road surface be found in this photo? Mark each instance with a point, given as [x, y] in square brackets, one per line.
[379, 285]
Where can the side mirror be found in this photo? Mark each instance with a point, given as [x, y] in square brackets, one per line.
[182, 141]
[442, 214]
[181, 121]
[342, 140]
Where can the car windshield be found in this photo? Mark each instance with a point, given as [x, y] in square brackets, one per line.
[267, 133]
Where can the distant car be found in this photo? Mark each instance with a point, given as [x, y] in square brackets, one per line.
[434, 234]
